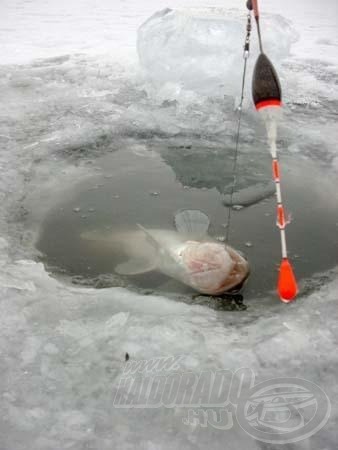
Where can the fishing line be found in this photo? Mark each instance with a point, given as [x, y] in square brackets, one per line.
[240, 107]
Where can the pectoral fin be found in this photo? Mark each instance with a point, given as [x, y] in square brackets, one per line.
[135, 266]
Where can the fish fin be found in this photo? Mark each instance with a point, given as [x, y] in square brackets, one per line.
[135, 266]
[192, 222]
[150, 237]
[161, 251]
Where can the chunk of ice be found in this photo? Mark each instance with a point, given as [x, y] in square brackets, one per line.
[198, 49]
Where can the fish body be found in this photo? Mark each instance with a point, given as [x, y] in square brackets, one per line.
[189, 254]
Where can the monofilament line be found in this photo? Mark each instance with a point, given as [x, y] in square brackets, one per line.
[234, 168]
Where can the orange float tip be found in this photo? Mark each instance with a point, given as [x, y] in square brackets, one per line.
[287, 284]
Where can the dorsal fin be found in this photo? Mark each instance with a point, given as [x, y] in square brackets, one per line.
[161, 250]
[150, 237]
[192, 222]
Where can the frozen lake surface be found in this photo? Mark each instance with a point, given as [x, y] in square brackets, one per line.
[101, 127]
[148, 182]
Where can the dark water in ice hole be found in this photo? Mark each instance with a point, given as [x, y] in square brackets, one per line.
[147, 184]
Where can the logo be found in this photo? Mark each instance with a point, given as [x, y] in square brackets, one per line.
[275, 411]
[283, 410]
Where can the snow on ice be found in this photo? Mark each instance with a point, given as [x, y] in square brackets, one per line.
[62, 347]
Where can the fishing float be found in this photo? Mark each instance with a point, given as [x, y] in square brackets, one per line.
[267, 97]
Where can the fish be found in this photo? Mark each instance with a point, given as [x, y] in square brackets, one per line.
[188, 254]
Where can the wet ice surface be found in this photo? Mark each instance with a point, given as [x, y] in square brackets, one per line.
[65, 122]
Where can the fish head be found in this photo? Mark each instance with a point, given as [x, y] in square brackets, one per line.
[207, 265]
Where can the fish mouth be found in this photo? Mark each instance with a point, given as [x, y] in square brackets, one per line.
[241, 266]
[238, 287]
